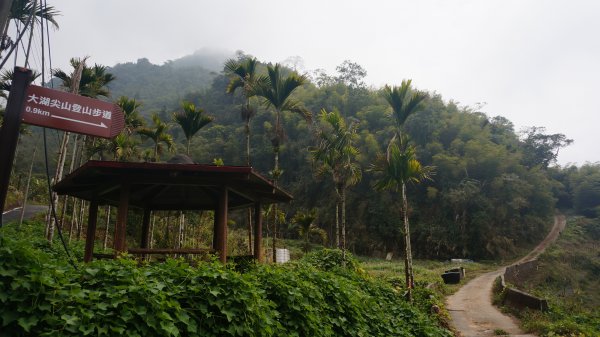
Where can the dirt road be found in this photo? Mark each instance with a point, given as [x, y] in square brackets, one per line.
[471, 309]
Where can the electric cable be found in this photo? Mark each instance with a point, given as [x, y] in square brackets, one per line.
[52, 208]
[16, 42]
[17, 45]
[31, 30]
[49, 48]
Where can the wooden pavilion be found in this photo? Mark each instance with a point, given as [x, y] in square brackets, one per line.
[164, 186]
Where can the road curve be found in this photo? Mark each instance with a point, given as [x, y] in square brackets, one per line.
[14, 214]
[471, 309]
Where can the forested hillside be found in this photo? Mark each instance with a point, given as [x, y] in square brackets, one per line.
[493, 188]
[161, 86]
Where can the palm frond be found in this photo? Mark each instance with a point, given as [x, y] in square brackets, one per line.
[191, 119]
[335, 149]
[234, 84]
[399, 166]
[21, 10]
[130, 107]
[402, 100]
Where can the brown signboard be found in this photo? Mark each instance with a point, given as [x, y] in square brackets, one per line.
[69, 112]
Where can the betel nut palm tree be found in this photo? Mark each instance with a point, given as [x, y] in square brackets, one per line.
[276, 90]
[25, 14]
[400, 165]
[159, 136]
[191, 120]
[242, 75]
[337, 154]
[398, 168]
[123, 146]
[404, 102]
[20, 11]
[92, 82]
[304, 222]
[131, 114]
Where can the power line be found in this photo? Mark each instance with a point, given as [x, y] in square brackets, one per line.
[53, 210]
[19, 37]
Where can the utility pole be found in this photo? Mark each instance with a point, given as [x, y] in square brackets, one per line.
[9, 132]
[5, 6]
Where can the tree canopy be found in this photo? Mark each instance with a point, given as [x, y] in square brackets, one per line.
[494, 189]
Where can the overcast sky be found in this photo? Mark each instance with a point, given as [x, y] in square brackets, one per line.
[535, 62]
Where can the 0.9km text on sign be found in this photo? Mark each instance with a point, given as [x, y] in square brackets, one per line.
[69, 112]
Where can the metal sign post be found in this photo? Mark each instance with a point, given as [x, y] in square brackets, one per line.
[9, 133]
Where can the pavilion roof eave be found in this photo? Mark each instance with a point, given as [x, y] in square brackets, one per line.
[169, 186]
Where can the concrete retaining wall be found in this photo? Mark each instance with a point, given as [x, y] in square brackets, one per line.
[519, 274]
[520, 299]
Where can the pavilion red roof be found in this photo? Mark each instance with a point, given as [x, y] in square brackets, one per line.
[165, 186]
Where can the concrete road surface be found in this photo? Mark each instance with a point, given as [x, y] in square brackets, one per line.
[13, 215]
[471, 309]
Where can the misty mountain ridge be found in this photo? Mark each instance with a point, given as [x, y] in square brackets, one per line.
[207, 58]
[163, 86]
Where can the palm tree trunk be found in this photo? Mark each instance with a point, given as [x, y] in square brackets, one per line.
[337, 224]
[274, 232]
[74, 219]
[248, 164]
[275, 176]
[247, 141]
[71, 167]
[26, 195]
[81, 215]
[62, 154]
[168, 229]
[408, 258]
[12, 170]
[249, 219]
[181, 230]
[343, 211]
[249, 212]
[105, 242]
[276, 166]
[152, 225]
[187, 151]
[63, 210]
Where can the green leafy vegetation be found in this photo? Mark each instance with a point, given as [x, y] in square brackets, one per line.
[568, 276]
[500, 332]
[41, 295]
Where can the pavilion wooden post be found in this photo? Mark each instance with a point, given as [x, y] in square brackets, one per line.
[120, 245]
[258, 232]
[91, 231]
[220, 232]
[145, 228]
